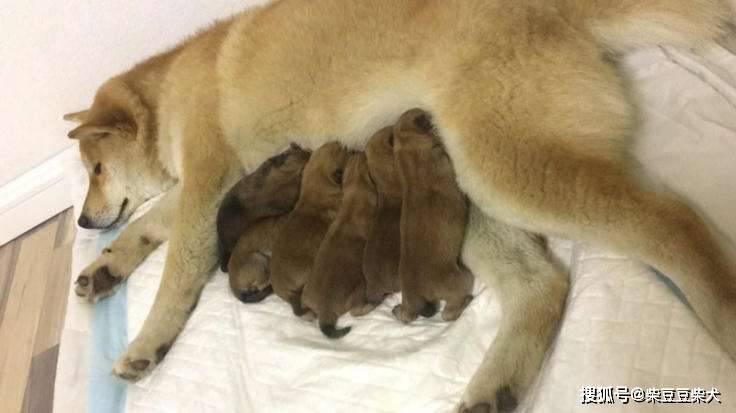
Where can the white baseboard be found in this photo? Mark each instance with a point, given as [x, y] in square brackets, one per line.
[32, 198]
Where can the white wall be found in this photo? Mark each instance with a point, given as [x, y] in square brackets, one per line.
[54, 54]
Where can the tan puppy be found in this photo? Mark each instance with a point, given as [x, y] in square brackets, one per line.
[336, 284]
[298, 240]
[433, 219]
[249, 274]
[382, 250]
[270, 190]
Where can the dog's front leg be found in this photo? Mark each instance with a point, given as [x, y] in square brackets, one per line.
[192, 256]
[125, 254]
[532, 289]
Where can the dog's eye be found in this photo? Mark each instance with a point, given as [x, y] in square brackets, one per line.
[98, 168]
[391, 140]
[337, 176]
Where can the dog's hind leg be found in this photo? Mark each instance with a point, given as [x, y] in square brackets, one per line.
[552, 186]
[532, 290]
[127, 251]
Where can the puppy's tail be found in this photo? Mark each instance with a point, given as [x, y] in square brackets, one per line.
[327, 323]
[624, 25]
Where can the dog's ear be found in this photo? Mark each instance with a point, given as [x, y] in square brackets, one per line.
[101, 123]
[78, 117]
[88, 132]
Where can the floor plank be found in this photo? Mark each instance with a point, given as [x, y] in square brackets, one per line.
[39, 393]
[8, 258]
[28, 281]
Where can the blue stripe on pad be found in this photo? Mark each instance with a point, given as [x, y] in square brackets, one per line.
[672, 286]
[107, 394]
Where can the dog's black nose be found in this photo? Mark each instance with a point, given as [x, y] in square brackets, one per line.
[84, 222]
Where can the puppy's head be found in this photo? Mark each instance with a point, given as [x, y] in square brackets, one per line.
[270, 190]
[120, 156]
[323, 175]
[380, 157]
[414, 132]
[359, 191]
[276, 183]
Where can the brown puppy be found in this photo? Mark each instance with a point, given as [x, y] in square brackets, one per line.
[270, 190]
[296, 244]
[382, 250]
[336, 284]
[433, 220]
[250, 278]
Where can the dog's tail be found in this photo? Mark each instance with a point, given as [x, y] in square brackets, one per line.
[623, 25]
[327, 323]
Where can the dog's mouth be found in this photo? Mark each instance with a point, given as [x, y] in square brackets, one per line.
[120, 214]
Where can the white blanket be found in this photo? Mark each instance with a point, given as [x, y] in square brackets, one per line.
[623, 326]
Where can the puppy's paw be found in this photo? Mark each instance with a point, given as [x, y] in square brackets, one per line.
[138, 361]
[402, 314]
[96, 282]
[502, 400]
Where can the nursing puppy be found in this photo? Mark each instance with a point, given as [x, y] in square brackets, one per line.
[298, 240]
[433, 220]
[336, 284]
[381, 257]
[249, 272]
[270, 190]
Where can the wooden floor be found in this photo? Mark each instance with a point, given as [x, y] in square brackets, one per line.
[34, 284]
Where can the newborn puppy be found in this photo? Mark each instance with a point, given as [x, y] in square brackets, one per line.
[336, 284]
[298, 240]
[270, 190]
[250, 278]
[382, 250]
[433, 219]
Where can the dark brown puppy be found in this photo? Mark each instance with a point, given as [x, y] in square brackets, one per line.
[297, 243]
[270, 190]
[336, 284]
[382, 250]
[433, 220]
[250, 277]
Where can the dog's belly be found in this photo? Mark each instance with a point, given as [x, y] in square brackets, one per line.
[327, 80]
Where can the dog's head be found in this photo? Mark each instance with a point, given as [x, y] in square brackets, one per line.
[117, 146]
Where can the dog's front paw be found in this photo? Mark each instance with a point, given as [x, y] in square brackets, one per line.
[96, 282]
[499, 400]
[138, 361]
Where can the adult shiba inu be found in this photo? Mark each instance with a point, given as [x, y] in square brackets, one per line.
[534, 117]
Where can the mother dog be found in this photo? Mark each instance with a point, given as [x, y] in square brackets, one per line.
[535, 117]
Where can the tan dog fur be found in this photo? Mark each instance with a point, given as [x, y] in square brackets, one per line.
[382, 250]
[533, 115]
[336, 284]
[249, 270]
[433, 219]
[298, 241]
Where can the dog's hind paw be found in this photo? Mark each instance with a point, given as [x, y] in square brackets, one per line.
[503, 401]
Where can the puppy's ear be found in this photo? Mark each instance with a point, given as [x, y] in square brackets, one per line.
[99, 123]
[78, 117]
